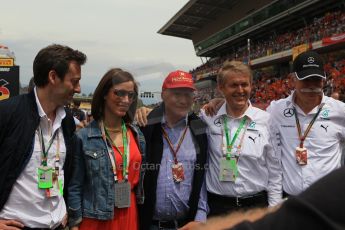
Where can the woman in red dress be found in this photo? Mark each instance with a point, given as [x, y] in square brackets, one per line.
[106, 183]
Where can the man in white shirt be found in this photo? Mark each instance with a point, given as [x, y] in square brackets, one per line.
[37, 143]
[304, 162]
[244, 170]
[308, 155]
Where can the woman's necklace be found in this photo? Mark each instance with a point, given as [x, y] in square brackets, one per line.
[114, 130]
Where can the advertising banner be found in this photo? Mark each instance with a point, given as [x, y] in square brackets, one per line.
[334, 39]
[9, 81]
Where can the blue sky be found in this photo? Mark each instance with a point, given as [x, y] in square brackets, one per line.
[113, 33]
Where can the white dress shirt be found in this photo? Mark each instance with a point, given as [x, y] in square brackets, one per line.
[323, 142]
[258, 166]
[27, 203]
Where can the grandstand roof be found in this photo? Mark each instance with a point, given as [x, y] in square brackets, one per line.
[194, 15]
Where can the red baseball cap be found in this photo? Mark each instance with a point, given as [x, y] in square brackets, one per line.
[178, 79]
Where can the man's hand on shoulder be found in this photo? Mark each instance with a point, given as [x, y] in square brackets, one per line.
[141, 116]
[213, 106]
[10, 225]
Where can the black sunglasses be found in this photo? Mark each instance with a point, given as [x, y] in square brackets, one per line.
[122, 93]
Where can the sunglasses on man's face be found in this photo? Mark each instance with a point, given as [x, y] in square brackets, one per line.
[123, 93]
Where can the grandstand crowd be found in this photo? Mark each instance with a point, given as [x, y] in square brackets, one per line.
[268, 85]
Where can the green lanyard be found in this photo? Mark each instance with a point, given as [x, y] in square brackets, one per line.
[124, 154]
[302, 138]
[43, 148]
[229, 144]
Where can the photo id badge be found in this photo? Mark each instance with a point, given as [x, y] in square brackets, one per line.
[177, 172]
[122, 194]
[228, 169]
[58, 186]
[301, 156]
[45, 177]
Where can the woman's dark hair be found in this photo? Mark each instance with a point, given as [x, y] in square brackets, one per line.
[114, 76]
[55, 57]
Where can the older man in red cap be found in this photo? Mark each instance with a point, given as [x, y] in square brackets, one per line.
[176, 157]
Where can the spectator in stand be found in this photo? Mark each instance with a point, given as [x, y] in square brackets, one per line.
[78, 113]
[31, 85]
[335, 95]
[89, 117]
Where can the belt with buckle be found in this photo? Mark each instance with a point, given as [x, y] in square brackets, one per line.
[242, 201]
[163, 224]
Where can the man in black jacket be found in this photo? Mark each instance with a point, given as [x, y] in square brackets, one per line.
[37, 143]
[175, 193]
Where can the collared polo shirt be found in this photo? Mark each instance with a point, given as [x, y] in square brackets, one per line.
[323, 143]
[258, 165]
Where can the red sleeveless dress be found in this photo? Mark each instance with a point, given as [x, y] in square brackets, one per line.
[124, 218]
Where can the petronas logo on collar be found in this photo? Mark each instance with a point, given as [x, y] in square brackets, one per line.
[325, 113]
[252, 125]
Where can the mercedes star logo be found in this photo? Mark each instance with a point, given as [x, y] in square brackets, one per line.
[288, 112]
[311, 60]
[217, 122]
